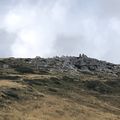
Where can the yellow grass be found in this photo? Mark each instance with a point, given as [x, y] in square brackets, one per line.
[10, 84]
[55, 108]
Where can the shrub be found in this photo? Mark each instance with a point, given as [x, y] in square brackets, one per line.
[24, 70]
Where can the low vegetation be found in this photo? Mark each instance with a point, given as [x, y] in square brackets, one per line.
[62, 93]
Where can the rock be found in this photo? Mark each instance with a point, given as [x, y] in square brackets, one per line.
[53, 89]
[11, 94]
[62, 64]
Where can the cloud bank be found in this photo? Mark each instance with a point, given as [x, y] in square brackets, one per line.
[46, 28]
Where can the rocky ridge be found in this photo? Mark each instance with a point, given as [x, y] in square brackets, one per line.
[64, 63]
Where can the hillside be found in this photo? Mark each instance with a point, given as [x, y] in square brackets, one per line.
[59, 88]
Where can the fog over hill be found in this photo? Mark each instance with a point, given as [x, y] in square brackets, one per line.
[55, 27]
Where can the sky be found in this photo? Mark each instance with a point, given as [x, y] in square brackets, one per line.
[47, 28]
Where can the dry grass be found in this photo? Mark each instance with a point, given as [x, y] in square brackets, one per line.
[54, 108]
[10, 84]
[77, 105]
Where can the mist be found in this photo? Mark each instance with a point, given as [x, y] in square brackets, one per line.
[47, 28]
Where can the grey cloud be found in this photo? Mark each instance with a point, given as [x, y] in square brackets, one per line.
[68, 45]
[6, 40]
[56, 27]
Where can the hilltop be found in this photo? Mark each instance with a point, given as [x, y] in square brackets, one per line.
[59, 88]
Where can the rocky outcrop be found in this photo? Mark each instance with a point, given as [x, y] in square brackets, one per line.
[64, 63]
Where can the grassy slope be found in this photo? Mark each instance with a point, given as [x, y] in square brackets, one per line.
[59, 97]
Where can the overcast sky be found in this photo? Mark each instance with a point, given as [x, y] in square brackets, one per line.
[45, 28]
